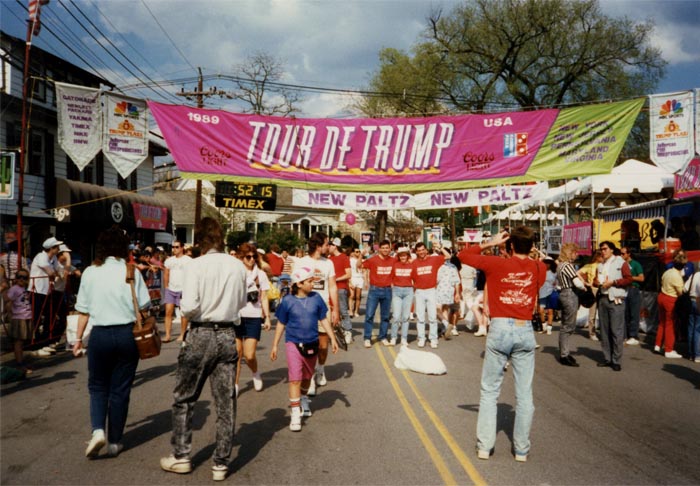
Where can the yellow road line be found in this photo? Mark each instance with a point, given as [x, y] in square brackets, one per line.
[440, 426]
[427, 443]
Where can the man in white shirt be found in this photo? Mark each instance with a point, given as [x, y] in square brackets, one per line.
[44, 270]
[324, 284]
[172, 281]
[214, 292]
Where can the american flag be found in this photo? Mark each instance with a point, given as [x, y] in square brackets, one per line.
[34, 6]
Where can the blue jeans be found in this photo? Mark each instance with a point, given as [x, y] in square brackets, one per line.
[401, 300]
[426, 300]
[507, 338]
[112, 361]
[378, 296]
[694, 332]
[633, 304]
[344, 311]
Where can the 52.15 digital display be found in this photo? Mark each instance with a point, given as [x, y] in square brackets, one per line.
[240, 189]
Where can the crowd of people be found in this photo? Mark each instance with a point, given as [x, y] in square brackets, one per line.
[226, 300]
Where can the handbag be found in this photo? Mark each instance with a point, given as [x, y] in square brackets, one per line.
[145, 328]
[536, 322]
[340, 337]
[586, 298]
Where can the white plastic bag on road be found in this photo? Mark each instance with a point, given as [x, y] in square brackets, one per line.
[420, 361]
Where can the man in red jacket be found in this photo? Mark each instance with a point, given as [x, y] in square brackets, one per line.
[513, 285]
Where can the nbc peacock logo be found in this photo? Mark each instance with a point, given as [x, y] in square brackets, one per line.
[124, 108]
[671, 107]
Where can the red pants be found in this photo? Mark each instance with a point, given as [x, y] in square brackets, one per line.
[665, 329]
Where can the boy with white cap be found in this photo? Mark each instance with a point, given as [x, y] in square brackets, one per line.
[43, 272]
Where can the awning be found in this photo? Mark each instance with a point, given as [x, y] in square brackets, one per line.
[79, 202]
[645, 210]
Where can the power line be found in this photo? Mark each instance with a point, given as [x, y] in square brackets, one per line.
[166, 35]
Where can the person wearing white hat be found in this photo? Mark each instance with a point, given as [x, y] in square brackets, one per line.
[43, 272]
[298, 316]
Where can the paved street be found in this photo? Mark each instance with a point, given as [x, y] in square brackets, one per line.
[374, 424]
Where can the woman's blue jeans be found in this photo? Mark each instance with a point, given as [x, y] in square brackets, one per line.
[112, 361]
[401, 301]
[507, 339]
[694, 332]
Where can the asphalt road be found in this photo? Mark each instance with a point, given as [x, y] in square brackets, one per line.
[374, 424]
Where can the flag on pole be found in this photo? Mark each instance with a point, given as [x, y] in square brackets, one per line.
[35, 13]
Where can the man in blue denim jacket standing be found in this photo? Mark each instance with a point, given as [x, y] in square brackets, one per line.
[513, 284]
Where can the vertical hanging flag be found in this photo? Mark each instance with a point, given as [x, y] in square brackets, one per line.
[671, 130]
[79, 122]
[697, 121]
[125, 138]
[34, 14]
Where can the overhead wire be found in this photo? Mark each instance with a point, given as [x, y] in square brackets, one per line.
[155, 19]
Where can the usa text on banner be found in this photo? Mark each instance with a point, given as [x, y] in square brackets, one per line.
[79, 122]
[671, 130]
[395, 154]
[125, 139]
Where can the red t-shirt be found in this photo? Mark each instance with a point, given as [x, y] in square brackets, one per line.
[379, 270]
[276, 264]
[401, 276]
[341, 263]
[425, 271]
[513, 283]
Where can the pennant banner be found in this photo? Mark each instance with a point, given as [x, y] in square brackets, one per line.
[671, 130]
[687, 184]
[396, 154]
[321, 199]
[125, 139]
[79, 122]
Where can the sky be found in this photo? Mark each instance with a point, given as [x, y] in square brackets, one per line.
[328, 44]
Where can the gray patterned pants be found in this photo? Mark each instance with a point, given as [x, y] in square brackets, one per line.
[207, 354]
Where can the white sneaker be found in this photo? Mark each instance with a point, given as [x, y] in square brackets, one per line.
[392, 342]
[454, 331]
[483, 455]
[549, 330]
[368, 343]
[404, 342]
[219, 472]
[421, 342]
[385, 342]
[49, 349]
[42, 353]
[97, 442]
[632, 342]
[594, 337]
[657, 349]
[312, 387]
[305, 408]
[348, 337]
[321, 378]
[697, 360]
[434, 343]
[480, 332]
[672, 354]
[257, 382]
[173, 464]
[295, 422]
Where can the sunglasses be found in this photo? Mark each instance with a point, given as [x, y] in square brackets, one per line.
[176, 246]
[21, 277]
[249, 257]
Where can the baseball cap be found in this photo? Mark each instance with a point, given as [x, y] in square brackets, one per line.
[336, 242]
[51, 242]
[63, 248]
[301, 274]
[403, 249]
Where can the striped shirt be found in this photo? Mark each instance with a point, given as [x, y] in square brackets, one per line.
[566, 273]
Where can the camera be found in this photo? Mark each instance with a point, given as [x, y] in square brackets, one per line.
[253, 296]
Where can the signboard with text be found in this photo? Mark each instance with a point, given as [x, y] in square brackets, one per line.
[233, 195]
[7, 175]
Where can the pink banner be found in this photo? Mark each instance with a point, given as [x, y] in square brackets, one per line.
[357, 152]
[688, 183]
[581, 234]
[150, 217]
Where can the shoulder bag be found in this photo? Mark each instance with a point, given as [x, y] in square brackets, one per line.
[145, 329]
[684, 305]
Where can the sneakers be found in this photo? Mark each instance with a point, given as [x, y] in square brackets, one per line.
[672, 354]
[257, 382]
[480, 332]
[657, 349]
[484, 455]
[392, 342]
[421, 342]
[219, 472]
[385, 342]
[594, 337]
[49, 349]
[312, 387]
[113, 450]
[305, 408]
[348, 337]
[434, 343]
[696, 360]
[97, 442]
[368, 343]
[549, 330]
[404, 342]
[295, 421]
[454, 331]
[42, 353]
[521, 457]
[321, 378]
[175, 465]
[632, 342]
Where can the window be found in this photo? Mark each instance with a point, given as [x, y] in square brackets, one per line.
[88, 172]
[72, 171]
[36, 152]
[121, 183]
[99, 169]
[37, 80]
